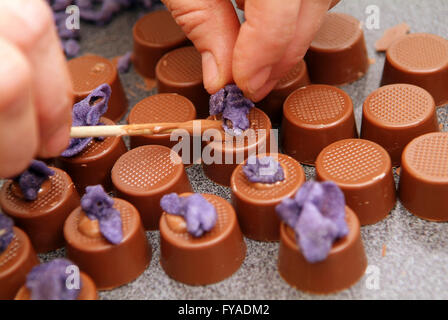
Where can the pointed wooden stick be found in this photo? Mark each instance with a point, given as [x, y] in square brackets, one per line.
[144, 129]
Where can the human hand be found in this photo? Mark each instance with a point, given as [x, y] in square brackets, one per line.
[274, 37]
[35, 87]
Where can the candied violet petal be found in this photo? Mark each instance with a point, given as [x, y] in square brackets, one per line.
[30, 181]
[264, 170]
[216, 103]
[97, 205]
[48, 281]
[59, 5]
[6, 232]
[333, 206]
[124, 62]
[71, 48]
[171, 203]
[288, 211]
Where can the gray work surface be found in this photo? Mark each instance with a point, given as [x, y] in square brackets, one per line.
[410, 254]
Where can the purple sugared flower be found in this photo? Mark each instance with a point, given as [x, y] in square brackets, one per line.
[88, 113]
[317, 216]
[30, 181]
[199, 214]
[71, 47]
[6, 232]
[48, 281]
[263, 170]
[97, 205]
[124, 62]
[234, 106]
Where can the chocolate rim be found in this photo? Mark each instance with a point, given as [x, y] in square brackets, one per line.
[25, 249]
[282, 85]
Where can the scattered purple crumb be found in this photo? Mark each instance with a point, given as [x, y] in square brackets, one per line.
[124, 62]
[263, 170]
[71, 48]
[30, 181]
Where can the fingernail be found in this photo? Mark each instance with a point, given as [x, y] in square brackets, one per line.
[259, 80]
[57, 143]
[263, 91]
[210, 69]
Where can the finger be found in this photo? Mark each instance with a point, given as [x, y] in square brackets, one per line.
[213, 26]
[18, 128]
[262, 42]
[29, 25]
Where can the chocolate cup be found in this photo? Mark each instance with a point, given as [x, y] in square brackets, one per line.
[208, 259]
[424, 177]
[338, 53]
[144, 175]
[272, 105]
[255, 203]
[43, 218]
[90, 71]
[363, 171]
[420, 59]
[155, 34]
[237, 152]
[314, 117]
[93, 165]
[344, 266]
[180, 71]
[164, 107]
[15, 262]
[395, 114]
[88, 290]
[109, 265]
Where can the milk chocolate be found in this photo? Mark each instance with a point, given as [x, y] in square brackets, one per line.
[424, 176]
[344, 266]
[314, 117]
[155, 34]
[43, 218]
[145, 174]
[363, 171]
[338, 53]
[420, 59]
[395, 114]
[90, 71]
[203, 260]
[255, 203]
[180, 71]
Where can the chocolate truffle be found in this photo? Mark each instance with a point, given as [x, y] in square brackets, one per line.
[255, 202]
[43, 218]
[363, 170]
[155, 34]
[395, 114]
[314, 117]
[272, 105]
[90, 71]
[343, 267]
[180, 71]
[93, 165]
[15, 263]
[222, 156]
[338, 53]
[424, 176]
[144, 174]
[110, 265]
[420, 59]
[209, 258]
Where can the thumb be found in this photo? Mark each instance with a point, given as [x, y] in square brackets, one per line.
[213, 27]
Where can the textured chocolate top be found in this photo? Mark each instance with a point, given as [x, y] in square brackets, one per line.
[16, 250]
[296, 72]
[180, 66]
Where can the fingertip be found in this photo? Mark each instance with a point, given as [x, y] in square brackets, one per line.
[56, 144]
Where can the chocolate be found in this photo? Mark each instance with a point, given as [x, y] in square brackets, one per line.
[43, 218]
[94, 164]
[15, 263]
[255, 203]
[88, 290]
[424, 177]
[164, 107]
[145, 174]
[90, 71]
[180, 71]
[344, 266]
[338, 53]
[420, 59]
[314, 117]
[272, 105]
[203, 260]
[395, 114]
[109, 265]
[363, 170]
[220, 158]
[155, 34]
